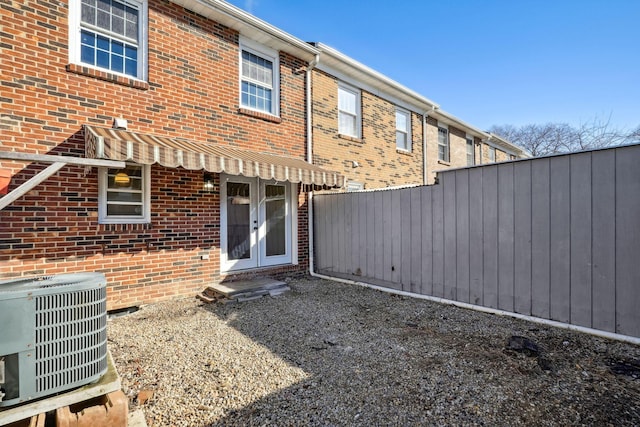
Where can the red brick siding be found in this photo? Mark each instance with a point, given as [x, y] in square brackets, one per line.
[192, 92]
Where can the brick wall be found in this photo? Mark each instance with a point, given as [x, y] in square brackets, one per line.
[381, 164]
[192, 92]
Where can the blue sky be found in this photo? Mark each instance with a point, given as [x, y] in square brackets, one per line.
[487, 61]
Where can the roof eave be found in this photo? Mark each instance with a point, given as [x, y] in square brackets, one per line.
[250, 26]
[338, 61]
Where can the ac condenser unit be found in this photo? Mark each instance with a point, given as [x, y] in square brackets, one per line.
[53, 334]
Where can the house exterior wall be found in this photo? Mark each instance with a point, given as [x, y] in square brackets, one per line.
[192, 92]
[380, 163]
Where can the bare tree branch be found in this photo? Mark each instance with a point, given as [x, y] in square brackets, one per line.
[552, 138]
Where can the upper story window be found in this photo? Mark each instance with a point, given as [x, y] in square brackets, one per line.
[348, 111]
[124, 195]
[403, 130]
[492, 154]
[259, 78]
[443, 142]
[471, 154]
[109, 35]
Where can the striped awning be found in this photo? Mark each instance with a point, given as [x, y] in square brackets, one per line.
[118, 144]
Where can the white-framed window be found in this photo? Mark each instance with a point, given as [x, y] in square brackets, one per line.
[443, 142]
[124, 195]
[492, 154]
[259, 78]
[354, 186]
[348, 111]
[403, 129]
[471, 153]
[109, 35]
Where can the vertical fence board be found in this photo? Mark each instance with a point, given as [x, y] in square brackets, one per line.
[320, 240]
[580, 262]
[335, 232]
[490, 226]
[475, 237]
[371, 231]
[522, 237]
[388, 247]
[396, 240]
[603, 203]
[505, 237]
[540, 237]
[450, 273]
[427, 241]
[378, 271]
[415, 237]
[405, 238]
[363, 237]
[628, 241]
[560, 244]
[349, 230]
[340, 224]
[462, 235]
[438, 240]
[354, 249]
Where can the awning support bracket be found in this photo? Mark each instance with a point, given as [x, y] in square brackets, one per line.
[58, 162]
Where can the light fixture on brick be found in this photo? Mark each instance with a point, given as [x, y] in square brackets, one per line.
[207, 183]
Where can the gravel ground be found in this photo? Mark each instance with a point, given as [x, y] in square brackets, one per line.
[330, 354]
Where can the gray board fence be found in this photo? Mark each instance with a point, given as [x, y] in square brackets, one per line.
[555, 237]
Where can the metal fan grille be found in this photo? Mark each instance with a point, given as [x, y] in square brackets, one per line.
[71, 339]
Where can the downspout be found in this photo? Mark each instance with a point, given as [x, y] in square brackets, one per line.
[424, 148]
[425, 172]
[312, 64]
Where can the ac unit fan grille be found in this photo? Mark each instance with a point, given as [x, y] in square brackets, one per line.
[71, 338]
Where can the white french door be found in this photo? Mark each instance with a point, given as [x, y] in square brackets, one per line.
[256, 221]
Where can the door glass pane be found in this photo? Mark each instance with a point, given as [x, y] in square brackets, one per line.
[238, 221]
[275, 212]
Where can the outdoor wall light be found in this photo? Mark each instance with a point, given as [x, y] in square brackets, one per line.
[122, 179]
[207, 183]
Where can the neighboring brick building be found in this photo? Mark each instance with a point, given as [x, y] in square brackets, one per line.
[201, 98]
[373, 130]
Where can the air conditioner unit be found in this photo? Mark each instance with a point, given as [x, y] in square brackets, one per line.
[53, 335]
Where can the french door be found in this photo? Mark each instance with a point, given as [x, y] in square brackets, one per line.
[256, 219]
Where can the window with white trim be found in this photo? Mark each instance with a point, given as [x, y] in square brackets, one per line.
[471, 154]
[492, 154]
[348, 111]
[354, 186]
[124, 195]
[259, 78]
[109, 35]
[403, 130]
[443, 142]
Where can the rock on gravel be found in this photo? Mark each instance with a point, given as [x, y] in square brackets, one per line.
[331, 354]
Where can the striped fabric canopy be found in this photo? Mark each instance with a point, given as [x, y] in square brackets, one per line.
[118, 144]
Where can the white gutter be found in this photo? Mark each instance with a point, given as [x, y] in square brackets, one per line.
[383, 83]
[546, 322]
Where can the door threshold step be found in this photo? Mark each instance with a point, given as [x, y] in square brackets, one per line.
[243, 290]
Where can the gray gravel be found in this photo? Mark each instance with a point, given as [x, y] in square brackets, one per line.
[330, 354]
